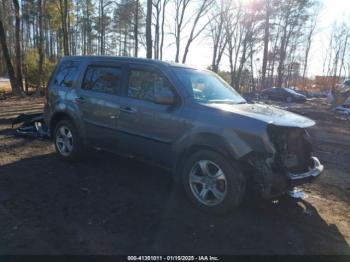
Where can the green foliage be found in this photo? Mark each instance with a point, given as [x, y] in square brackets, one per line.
[31, 60]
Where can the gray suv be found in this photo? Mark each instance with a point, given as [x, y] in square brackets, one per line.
[188, 121]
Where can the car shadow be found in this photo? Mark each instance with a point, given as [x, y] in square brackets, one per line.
[107, 204]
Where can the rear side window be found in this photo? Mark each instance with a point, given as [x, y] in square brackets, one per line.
[102, 79]
[67, 74]
[144, 85]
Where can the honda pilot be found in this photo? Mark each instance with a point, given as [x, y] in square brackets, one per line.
[186, 120]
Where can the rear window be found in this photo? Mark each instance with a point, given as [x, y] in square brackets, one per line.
[67, 74]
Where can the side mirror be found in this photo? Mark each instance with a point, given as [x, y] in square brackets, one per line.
[165, 98]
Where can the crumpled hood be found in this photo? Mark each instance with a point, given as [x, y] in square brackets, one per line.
[267, 114]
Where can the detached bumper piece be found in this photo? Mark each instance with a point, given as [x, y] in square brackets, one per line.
[298, 179]
[32, 125]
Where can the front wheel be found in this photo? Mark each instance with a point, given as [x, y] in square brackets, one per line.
[213, 183]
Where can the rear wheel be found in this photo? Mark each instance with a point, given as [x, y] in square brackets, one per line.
[213, 183]
[67, 141]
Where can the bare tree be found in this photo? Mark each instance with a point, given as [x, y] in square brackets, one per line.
[183, 19]
[41, 44]
[217, 33]
[337, 51]
[180, 9]
[309, 40]
[248, 32]
[63, 9]
[157, 7]
[149, 29]
[266, 42]
[195, 31]
[103, 5]
[345, 47]
[136, 27]
[18, 44]
[292, 14]
[13, 80]
[233, 30]
[165, 2]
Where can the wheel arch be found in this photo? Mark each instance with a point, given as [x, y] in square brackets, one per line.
[206, 141]
[58, 116]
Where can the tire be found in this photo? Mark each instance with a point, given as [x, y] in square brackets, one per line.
[214, 192]
[65, 133]
[289, 99]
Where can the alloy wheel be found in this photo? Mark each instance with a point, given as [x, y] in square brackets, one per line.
[208, 182]
[64, 140]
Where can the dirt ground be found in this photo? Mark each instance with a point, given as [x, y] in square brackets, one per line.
[112, 205]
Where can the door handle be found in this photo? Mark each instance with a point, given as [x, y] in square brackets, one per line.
[128, 109]
[80, 99]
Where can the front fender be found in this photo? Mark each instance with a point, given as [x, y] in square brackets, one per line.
[226, 143]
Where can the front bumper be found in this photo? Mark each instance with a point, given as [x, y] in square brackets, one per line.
[298, 179]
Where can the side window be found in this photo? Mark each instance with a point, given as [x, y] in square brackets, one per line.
[67, 74]
[102, 79]
[144, 85]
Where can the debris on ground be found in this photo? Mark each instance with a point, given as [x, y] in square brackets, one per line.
[343, 110]
[32, 125]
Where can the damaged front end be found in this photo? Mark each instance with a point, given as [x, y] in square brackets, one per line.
[291, 163]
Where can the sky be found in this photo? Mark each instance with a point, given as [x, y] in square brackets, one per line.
[333, 10]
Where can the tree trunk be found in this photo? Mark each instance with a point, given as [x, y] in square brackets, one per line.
[18, 45]
[252, 68]
[149, 29]
[280, 69]
[307, 51]
[102, 28]
[64, 15]
[193, 35]
[266, 45]
[136, 29]
[157, 6]
[162, 30]
[14, 83]
[40, 46]
[240, 68]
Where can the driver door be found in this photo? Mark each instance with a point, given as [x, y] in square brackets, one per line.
[147, 129]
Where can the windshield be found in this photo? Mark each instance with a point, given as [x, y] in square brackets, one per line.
[207, 87]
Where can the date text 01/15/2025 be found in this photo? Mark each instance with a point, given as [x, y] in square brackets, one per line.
[173, 258]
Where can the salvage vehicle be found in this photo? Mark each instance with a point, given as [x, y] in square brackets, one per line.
[186, 120]
[283, 94]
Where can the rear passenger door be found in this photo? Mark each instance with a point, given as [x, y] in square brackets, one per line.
[99, 100]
